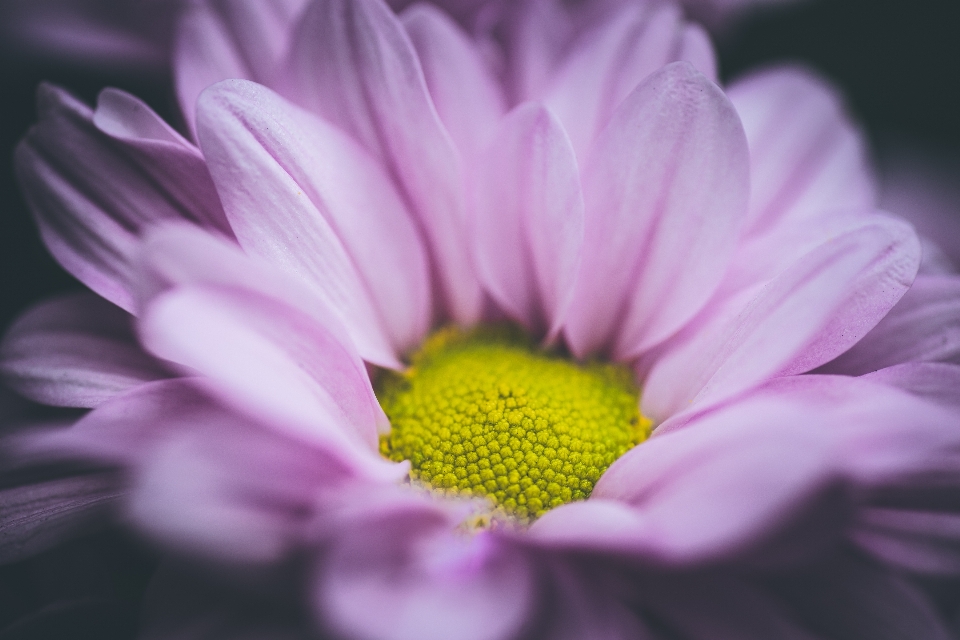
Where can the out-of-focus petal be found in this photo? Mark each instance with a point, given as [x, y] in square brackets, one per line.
[849, 597]
[468, 98]
[323, 209]
[352, 63]
[74, 351]
[528, 218]
[224, 488]
[93, 189]
[806, 157]
[720, 606]
[39, 516]
[653, 256]
[808, 314]
[219, 40]
[399, 577]
[917, 540]
[923, 326]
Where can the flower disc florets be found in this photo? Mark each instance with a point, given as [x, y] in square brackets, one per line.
[483, 413]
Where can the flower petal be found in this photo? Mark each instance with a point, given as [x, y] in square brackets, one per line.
[923, 326]
[323, 210]
[808, 314]
[468, 98]
[92, 190]
[39, 516]
[740, 479]
[528, 218]
[221, 40]
[398, 578]
[220, 487]
[936, 381]
[849, 597]
[163, 154]
[665, 191]
[274, 363]
[74, 351]
[806, 157]
[352, 63]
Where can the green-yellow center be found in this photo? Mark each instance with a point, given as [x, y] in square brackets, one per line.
[483, 413]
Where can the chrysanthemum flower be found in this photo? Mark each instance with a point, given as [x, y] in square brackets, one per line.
[409, 323]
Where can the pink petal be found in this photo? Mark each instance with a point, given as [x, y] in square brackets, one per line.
[222, 40]
[665, 191]
[739, 479]
[74, 351]
[808, 314]
[323, 210]
[528, 216]
[352, 63]
[220, 487]
[467, 96]
[42, 515]
[806, 157]
[923, 326]
[92, 190]
[697, 49]
[274, 363]
[580, 90]
[395, 578]
[164, 154]
[935, 381]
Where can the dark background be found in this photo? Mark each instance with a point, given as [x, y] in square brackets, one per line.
[898, 61]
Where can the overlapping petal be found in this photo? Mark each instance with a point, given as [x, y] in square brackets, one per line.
[352, 63]
[94, 180]
[74, 351]
[335, 220]
[808, 314]
[528, 218]
[653, 256]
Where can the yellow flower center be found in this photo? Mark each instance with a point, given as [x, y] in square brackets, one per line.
[483, 413]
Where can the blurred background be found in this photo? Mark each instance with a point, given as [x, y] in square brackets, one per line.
[897, 61]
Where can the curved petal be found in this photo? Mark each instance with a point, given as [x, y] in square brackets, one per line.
[665, 191]
[164, 155]
[323, 209]
[467, 96]
[219, 40]
[808, 314]
[741, 477]
[219, 486]
[352, 63]
[275, 363]
[92, 190]
[923, 326]
[528, 218]
[936, 381]
[806, 157]
[404, 578]
[74, 351]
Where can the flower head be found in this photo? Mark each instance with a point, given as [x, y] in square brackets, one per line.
[669, 254]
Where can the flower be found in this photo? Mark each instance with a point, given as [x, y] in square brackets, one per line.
[608, 197]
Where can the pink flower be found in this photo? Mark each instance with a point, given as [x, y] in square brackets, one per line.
[384, 177]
